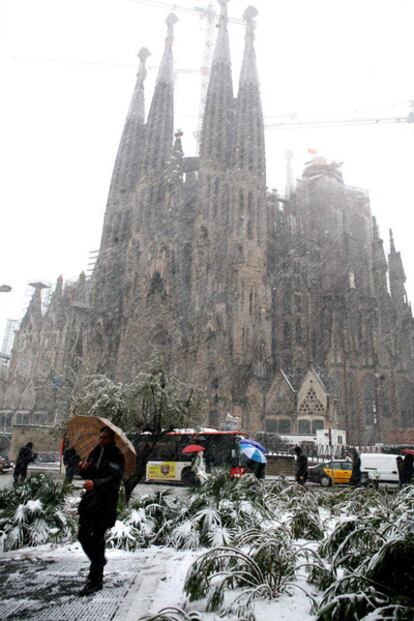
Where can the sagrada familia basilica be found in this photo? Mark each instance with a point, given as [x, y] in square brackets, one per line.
[284, 309]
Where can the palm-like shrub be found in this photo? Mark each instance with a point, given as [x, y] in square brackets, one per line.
[174, 614]
[368, 562]
[260, 565]
[34, 513]
[305, 525]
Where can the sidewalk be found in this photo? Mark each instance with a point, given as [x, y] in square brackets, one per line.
[42, 585]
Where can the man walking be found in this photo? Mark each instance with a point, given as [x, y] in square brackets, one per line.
[103, 471]
[301, 466]
[71, 462]
[24, 458]
[356, 476]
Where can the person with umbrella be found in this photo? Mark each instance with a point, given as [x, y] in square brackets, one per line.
[198, 465]
[254, 453]
[103, 471]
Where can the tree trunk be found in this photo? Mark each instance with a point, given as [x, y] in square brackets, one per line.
[145, 452]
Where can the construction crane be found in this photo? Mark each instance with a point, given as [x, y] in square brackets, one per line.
[294, 123]
[201, 11]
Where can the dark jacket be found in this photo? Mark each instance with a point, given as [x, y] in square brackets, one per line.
[105, 469]
[301, 466]
[407, 469]
[256, 468]
[71, 459]
[24, 458]
[356, 471]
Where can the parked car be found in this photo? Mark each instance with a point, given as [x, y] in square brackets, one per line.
[336, 471]
[379, 468]
[5, 465]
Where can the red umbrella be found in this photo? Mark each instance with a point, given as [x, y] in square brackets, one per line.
[408, 451]
[193, 448]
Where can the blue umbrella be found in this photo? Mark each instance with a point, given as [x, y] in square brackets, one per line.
[253, 453]
[246, 441]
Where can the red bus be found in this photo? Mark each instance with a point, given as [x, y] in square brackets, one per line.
[168, 464]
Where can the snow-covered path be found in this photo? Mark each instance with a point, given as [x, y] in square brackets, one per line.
[41, 584]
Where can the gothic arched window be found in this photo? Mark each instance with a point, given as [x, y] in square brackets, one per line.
[304, 427]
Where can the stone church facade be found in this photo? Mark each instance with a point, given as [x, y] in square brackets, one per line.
[284, 309]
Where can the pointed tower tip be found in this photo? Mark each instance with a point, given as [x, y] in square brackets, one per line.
[250, 13]
[143, 54]
[171, 20]
[223, 9]
[392, 247]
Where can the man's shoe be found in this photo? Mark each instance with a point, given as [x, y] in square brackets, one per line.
[90, 588]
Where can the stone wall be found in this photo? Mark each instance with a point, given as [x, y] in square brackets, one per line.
[401, 436]
[43, 439]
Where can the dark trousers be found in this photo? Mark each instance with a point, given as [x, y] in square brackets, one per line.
[19, 476]
[92, 539]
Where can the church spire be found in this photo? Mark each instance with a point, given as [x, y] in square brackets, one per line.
[33, 313]
[397, 276]
[216, 131]
[249, 145]
[128, 159]
[379, 261]
[136, 110]
[160, 124]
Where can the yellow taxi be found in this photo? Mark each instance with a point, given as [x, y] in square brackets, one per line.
[337, 472]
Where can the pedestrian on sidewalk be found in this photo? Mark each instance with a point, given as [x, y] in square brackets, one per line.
[198, 468]
[103, 471]
[24, 458]
[356, 475]
[301, 466]
[256, 468]
[407, 470]
[71, 462]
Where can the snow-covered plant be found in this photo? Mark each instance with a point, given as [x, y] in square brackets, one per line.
[173, 614]
[273, 552]
[260, 567]
[349, 607]
[122, 535]
[305, 524]
[368, 562]
[330, 546]
[34, 513]
[185, 536]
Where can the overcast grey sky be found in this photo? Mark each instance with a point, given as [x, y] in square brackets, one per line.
[61, 118]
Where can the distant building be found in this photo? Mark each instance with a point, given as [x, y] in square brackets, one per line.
[285, 309]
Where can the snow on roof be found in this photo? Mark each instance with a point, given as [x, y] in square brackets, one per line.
[287, 380]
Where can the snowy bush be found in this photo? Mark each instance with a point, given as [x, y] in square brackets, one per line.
[259, 565]
[174, 614]
[34, 513]
[367, 566]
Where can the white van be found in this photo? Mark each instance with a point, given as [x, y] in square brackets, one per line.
[379, 468]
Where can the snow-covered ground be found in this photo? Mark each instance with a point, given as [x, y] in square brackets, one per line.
[262, 552]
[169, 592]
[137, 584]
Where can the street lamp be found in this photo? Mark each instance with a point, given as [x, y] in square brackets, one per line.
[5, 288]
